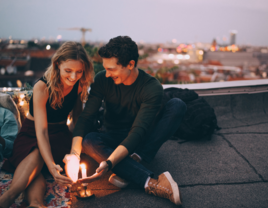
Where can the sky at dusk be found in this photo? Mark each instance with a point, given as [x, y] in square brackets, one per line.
[151, 21]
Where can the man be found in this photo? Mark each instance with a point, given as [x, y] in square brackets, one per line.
[132, 101]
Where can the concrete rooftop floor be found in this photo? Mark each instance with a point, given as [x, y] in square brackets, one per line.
[230, 170]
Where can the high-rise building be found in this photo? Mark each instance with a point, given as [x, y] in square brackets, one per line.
[233, 37]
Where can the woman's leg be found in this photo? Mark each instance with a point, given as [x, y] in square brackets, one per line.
[35, 192]
[25, 173]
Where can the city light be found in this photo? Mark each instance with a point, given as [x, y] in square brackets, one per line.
[160, 61]
[171, 56]
[179, 56]
[18, 82]
[48, 47]
[2, 71]
[22, 96]
[176, 61]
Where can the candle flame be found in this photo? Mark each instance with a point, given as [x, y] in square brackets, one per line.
[68, 121]
[83, 166]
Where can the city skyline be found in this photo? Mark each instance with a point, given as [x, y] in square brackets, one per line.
[143, 20]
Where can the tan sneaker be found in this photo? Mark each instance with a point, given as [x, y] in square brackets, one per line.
[164, 187]
[120, 182]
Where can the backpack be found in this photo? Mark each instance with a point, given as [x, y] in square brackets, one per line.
[199, 121]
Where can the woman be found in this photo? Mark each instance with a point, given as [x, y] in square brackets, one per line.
[45, 139]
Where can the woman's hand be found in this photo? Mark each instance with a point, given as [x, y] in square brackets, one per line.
[71, 166]
[60, 179]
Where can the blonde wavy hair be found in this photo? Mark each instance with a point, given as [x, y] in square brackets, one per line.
[68, 51]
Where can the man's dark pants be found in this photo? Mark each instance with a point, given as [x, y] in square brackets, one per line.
[100, 146]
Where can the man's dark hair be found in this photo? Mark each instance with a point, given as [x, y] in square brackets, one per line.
[122, 48]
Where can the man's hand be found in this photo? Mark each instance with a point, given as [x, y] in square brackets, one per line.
[71, 166]
[100, 171]
[60, 179]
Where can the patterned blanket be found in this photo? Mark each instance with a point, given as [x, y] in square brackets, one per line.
[56, 195]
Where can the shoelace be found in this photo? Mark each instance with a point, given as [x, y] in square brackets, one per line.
[161, 191]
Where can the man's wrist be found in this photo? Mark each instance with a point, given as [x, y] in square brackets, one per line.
[110, 164]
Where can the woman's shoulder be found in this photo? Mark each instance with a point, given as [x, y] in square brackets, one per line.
[40, 88]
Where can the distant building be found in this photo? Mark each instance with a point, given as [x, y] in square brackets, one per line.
[23, 65]
[233, 37]
[240, 59]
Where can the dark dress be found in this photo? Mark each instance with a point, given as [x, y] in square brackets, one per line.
[60, 137]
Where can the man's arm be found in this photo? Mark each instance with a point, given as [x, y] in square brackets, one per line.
[83, 126]
[150, 106]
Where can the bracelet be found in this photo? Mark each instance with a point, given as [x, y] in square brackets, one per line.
[110, 165]
[73, 152]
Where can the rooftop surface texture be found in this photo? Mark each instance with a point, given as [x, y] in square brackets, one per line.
[230, 170]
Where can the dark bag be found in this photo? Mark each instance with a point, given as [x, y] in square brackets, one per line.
[185, 95]
[199, 121]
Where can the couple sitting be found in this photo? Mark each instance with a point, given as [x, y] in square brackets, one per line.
[132, 102]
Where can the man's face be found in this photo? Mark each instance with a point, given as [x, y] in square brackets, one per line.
[120, 74]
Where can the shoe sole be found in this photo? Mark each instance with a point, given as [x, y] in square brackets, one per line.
[175, 189]
[117, 183]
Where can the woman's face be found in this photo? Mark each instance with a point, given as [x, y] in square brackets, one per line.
[70, 72]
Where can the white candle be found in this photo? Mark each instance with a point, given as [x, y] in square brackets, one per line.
[84, 170]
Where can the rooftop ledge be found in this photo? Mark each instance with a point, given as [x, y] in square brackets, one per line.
[225, 88]
[210, 88]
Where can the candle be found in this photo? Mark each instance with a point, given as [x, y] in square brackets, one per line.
[84, 170]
